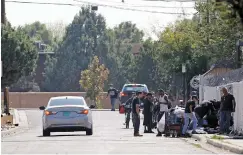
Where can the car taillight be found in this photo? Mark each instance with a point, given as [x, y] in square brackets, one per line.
[85, 112]
[123, 94]
[49, 112]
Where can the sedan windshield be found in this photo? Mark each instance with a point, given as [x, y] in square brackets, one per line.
[61, 102]
[135, 88]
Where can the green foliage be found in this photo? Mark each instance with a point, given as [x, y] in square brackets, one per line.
[38, 32]
[122, 40]
[195, 41]
[93, 79]
[19, 55]
[84, 38]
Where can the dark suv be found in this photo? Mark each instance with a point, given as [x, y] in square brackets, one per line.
[128, 89]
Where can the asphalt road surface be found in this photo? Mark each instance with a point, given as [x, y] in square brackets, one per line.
[110, 137]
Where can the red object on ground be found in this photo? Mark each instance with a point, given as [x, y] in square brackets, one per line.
[121, 110]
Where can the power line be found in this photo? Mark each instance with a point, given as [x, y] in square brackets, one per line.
[115, 7]
[145, 6]
[131, 9]
[28, 2]
[170, 1]
[179, 1]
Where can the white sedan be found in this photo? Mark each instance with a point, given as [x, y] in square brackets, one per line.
[67, 113]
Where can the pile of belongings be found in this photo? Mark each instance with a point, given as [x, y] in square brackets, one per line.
[178, 111]
[211, 130]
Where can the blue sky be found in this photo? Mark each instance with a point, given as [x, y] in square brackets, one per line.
[20, 14]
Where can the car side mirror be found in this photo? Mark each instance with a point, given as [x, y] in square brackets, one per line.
[42, 108]
[92, 106]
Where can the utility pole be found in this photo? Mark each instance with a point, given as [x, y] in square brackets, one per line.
[207, 21]
[239, 44]
[183, 70]
[3, 19]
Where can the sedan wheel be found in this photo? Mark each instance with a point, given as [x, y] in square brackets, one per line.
[89, 131]
[46, 133]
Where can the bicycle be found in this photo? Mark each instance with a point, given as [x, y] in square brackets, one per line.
[128, 111]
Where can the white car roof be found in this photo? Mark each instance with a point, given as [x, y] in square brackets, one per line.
[66, 97]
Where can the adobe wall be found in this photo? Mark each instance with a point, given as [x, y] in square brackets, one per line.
[37, 99]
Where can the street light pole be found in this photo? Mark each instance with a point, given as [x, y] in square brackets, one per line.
[184, 81]
[239, 44]
[3, 17]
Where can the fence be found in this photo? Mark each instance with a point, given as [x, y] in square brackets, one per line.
[37, 99]
[210, 93]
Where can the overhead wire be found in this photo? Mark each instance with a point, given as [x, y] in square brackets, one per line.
[145, 6]
[103, 5]
[130, 9]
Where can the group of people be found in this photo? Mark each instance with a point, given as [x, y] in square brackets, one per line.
[227, 107]
[148, 105]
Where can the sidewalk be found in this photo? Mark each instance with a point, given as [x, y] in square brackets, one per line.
[233, 144]
[20, 119]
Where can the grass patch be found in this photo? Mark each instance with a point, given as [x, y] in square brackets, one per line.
[216, 137]
[197, 145]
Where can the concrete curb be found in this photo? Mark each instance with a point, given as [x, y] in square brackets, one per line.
[197, 137]
[220, 144]
[23, 124]
[16, 119]
[226, 146]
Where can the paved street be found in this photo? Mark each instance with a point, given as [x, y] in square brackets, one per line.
[109, 137]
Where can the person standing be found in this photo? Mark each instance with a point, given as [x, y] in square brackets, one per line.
[113, 93]
[136, 113]
[190, 114]
[163, 109]
[226, 108]
[147, 111]
[128, 107]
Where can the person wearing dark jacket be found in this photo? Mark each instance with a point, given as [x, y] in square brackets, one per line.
[227, 107]
[147, 111]
[136, 113]
[113, 93]
[128, 106]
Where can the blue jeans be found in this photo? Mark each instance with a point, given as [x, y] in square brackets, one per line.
[188, 116]
[200, 122]
[136, 122]
[113, 102]
[224, 121]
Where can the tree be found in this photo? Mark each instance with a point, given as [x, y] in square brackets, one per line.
[83, 39]
[145, 65]
[93, 79]
[38, 31]
[58, 30]
[19, 55]
[121, 40]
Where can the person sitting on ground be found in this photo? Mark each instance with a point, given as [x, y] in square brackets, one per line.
[200, 111]
[190, 114]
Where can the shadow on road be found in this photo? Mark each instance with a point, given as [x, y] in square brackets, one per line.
[63, 135]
